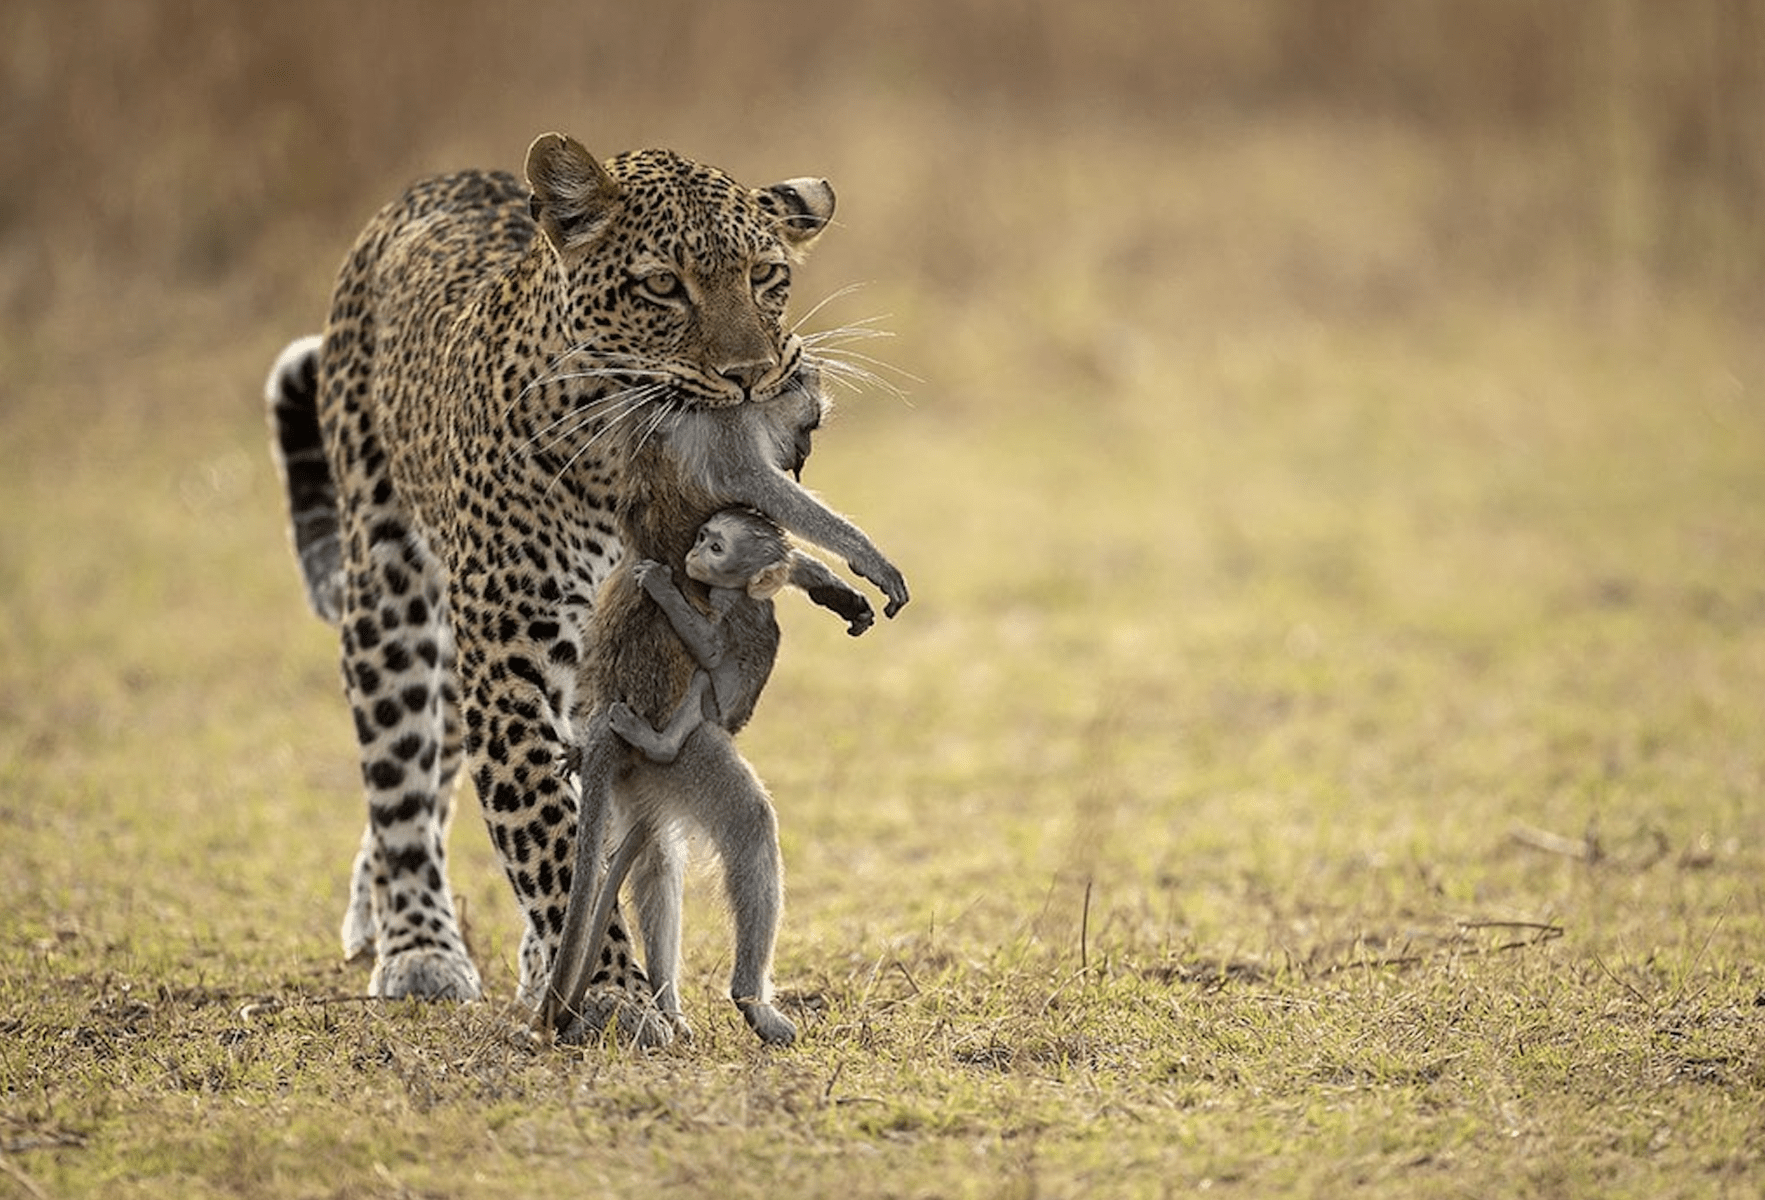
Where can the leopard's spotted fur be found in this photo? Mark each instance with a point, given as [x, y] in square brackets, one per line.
[453, 450]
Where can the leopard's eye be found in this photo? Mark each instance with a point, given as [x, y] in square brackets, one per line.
[661, 285]
[768, 275]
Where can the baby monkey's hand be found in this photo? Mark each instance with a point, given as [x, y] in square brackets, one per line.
[652, 576]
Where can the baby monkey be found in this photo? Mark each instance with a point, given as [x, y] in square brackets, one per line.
[740, 556]
[743, 560]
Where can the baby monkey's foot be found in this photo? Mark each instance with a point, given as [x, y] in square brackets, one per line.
[625, 722]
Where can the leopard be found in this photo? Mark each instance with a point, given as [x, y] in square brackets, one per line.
[455, 448]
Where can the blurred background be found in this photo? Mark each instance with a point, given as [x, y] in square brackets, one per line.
[1193, 161]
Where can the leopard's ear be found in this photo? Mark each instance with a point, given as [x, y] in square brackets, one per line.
[574, 199]
[800, 209]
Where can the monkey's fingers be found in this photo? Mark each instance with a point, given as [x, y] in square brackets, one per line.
[897, 595]
[888, 580]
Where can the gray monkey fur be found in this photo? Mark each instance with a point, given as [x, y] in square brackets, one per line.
[701, 460]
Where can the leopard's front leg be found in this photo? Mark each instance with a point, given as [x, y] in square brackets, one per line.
[518, 671]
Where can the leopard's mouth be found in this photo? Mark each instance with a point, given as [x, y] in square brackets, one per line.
[792, 372]
[696, 393]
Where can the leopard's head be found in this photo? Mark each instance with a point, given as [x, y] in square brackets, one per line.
[675, 275]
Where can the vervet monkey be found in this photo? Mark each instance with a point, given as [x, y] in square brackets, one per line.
[702, 461]
[743, 560]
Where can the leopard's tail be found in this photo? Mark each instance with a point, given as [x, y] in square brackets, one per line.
[292, 395]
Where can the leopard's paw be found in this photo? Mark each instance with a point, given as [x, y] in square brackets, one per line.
[425, 974]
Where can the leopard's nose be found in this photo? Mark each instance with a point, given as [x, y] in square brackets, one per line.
[746, 375]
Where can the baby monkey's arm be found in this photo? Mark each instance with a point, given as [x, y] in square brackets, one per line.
[820, 584]
[695, 629]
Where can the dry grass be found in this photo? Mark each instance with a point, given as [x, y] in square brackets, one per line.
[1324, 750]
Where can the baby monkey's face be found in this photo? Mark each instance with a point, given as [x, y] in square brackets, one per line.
[728, 553]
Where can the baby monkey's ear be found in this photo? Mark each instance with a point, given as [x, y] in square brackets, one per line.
[768, 581]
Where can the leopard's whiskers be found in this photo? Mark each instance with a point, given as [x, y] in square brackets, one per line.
[614, 405]
[863, 329]
[602, 365]
[636, 402]
[581, 349]
[839, 294]
[641, 377]
[857, 371]
[662, 414]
